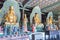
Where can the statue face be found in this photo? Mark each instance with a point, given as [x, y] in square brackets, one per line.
[11, 7]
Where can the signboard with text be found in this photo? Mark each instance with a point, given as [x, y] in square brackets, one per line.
[39, 36]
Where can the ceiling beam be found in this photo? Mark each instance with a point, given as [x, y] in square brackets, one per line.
[51, 7]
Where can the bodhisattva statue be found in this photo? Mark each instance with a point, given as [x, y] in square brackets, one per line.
[51, 24]
[39, 26]
[36, 19]
[10, 17]
[25, 23]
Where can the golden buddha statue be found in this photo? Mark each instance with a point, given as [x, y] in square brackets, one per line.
[38, 25]
[36, 19]
[52, 25]
[49, 22]
[11, 17]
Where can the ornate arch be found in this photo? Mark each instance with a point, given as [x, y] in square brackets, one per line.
[50, 14]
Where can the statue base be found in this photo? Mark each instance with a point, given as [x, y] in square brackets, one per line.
[11, 29]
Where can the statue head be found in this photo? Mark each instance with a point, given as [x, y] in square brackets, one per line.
[11, 10]
[36, 15]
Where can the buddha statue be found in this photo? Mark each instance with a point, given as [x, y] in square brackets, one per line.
[52, 25]
[39, 26]
[36, 19]
[11, 23]
[10, 17]
[49, 22]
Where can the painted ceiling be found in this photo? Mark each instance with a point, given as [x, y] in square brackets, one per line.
[45, 5]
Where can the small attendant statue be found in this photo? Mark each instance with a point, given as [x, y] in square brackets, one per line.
[25, 23]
